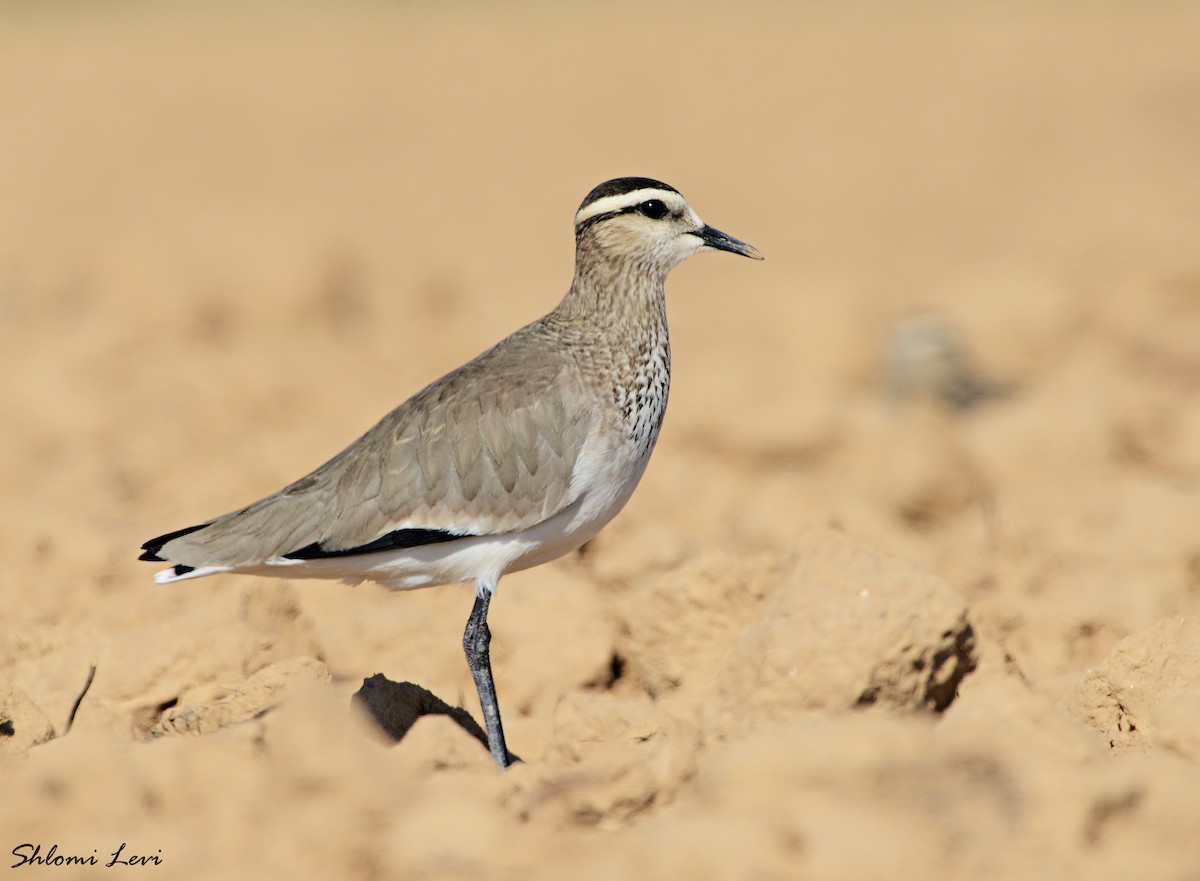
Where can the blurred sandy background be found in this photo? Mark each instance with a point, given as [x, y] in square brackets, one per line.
[848, 627]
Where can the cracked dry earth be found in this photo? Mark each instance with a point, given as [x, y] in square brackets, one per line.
[910, 589]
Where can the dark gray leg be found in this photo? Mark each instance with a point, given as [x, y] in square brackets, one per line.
[476, 640]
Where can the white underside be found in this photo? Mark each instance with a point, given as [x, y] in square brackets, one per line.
[607, 478]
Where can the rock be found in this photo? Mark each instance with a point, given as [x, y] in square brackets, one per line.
[1140, 694]
[847, 627]
[829, 625]
[264, 690]
[22, 723]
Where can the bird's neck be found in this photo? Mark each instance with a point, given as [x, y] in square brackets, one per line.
[622, 295]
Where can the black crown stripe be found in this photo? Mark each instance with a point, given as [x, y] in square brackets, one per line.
[621, 185]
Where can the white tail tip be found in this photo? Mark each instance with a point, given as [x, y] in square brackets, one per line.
[169, 576]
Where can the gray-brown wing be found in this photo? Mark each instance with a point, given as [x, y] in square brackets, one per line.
[488, 449]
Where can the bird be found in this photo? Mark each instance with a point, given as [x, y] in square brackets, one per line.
[516, 458]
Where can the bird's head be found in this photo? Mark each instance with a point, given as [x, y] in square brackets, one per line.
[645, 222]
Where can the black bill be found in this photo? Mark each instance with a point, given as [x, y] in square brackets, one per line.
[719, 241]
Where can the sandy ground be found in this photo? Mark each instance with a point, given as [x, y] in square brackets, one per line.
[911, 587]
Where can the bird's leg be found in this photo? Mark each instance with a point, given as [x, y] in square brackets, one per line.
[476, 639]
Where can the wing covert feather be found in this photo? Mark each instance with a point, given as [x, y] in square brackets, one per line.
[490, 448]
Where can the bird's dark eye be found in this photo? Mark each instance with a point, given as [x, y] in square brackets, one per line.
[654, 209]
